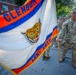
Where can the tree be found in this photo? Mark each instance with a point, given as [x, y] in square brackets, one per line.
[20, 2]
[64, 7]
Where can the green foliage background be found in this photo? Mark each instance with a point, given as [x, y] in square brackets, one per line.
[64, 7]
[20, 2]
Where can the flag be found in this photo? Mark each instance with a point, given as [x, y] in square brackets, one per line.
[25, 33]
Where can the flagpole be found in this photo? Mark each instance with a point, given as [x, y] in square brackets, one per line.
[58, 44]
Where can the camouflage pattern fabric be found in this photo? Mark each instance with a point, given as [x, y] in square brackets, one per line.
[74, 55]
[46, 53]
[67, 37]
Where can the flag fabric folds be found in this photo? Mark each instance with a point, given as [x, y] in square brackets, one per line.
[25, 33]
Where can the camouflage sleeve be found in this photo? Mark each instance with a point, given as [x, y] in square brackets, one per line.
[62, 32]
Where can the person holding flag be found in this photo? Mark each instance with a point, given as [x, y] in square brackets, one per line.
[67, 38]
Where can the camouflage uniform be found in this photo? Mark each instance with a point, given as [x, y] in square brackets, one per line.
[46, 55]
[60, 22]
[67, 37]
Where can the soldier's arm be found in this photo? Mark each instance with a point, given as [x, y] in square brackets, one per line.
[62, 31]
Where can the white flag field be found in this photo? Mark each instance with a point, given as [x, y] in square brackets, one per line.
[25, 33]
